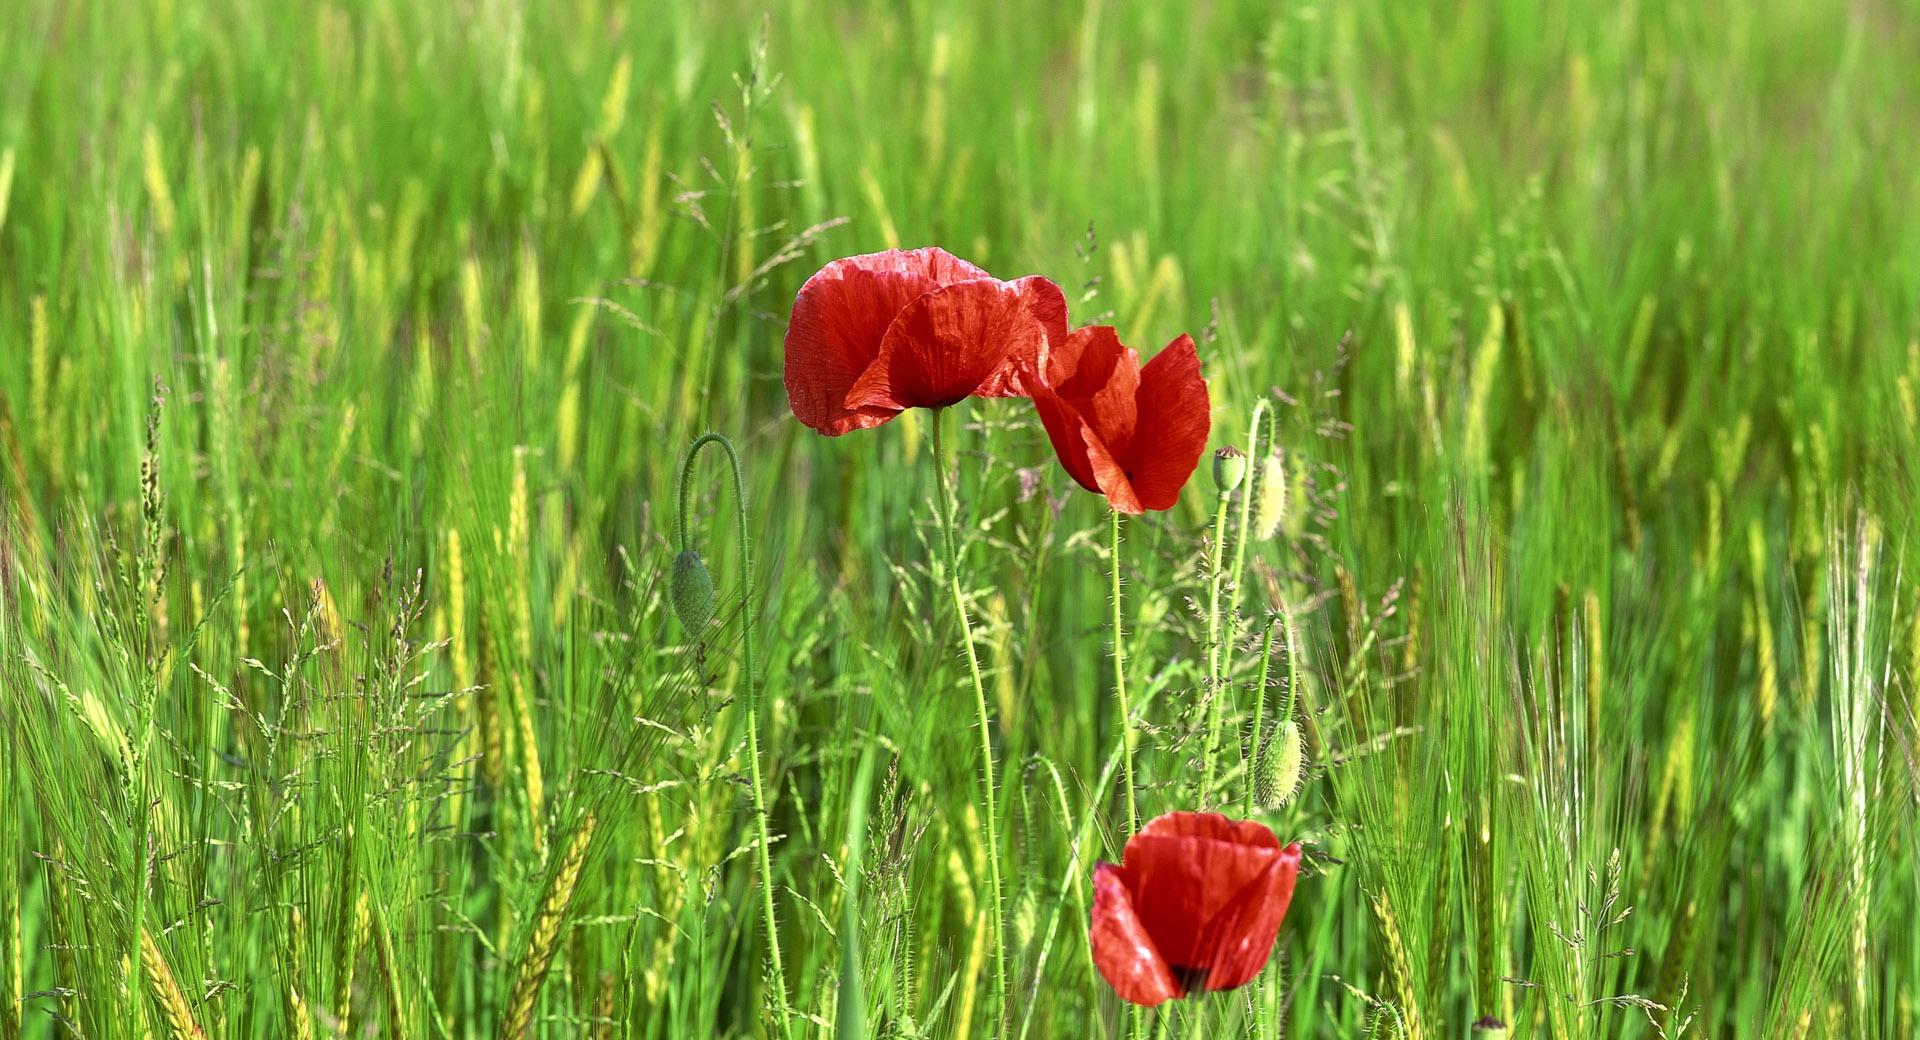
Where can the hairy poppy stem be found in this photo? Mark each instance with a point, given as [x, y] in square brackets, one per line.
[1215, 695]
[1255, 742]
[948, 523]
[1246, 502]
[1120, 682]
[1217, 657]
[775, 969]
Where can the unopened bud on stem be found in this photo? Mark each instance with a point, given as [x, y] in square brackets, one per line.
[1229, 468]
[692, 592]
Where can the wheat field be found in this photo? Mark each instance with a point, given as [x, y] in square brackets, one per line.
[357, 365]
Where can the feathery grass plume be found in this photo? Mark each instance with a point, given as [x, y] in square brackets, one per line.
[1858, 630]
[544, 931]
[1486, 361]
[520, 558]
[361, 927]
[347, 904]
[1270, 496]
[389, 969]
[1400, 979]
[40, 373]
[1767, 681]
[165, 990]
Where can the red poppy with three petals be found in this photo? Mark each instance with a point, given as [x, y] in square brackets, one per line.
[1130, 433]
[1195, 904]
[874, 335]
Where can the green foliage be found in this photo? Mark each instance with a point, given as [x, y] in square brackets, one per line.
[349, 352]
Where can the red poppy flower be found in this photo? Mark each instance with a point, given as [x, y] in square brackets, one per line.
[1130, 433]
[874, 335]
[1195, 905]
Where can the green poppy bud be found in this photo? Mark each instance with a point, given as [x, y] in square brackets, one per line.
[692, 591]
[1229, 467]
[1277, 769]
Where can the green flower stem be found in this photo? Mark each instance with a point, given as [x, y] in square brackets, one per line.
[1255, 742]
[947, 509]
[1120, 682]
[1246, 503]
[1217, 663]
[1214, 694]
[775, 970]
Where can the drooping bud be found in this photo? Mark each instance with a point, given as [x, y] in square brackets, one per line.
[692, 592]
[1270, 501]
[1277, 768]
[1229, 466]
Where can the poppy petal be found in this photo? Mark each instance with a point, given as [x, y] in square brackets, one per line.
[1210, 826]
[1101, 376]
[840, 319]
[1239, 939]
[1110, 475]
[1121, 947]
[1048, 305]
[1175, 417]
[1068, 434]
[1189, 868]
[946, 345]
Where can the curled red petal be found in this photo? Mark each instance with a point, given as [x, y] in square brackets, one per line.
[1110, 475]
[1175, 416]
[1122, 949]
[840, 318]
[1239, 939]
[1068, 434]
[1086, 402]
[947, 344]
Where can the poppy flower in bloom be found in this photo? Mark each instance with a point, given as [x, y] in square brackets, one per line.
[1130, 433]
[1195, 905]
[874, 335]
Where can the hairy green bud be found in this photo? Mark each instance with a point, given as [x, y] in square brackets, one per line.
[692, 592]
[1277, 769]
[1270, 497]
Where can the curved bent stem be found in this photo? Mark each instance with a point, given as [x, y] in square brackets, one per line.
[774, 968]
